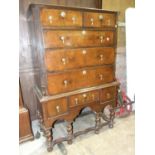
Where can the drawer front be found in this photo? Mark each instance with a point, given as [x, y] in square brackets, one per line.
[55, 39]
[54, 17]
[62, 59]
[74, 58]
[56, 107]
[83, 98]
[108, 94]
[72, 80]
[99, 19]
[100, 56]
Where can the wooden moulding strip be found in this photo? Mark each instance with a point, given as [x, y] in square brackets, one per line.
[53, 97]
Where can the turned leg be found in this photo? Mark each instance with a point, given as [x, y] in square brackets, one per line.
[98, 121]
[49, 139]
[40, 120]
[70, 132]
[112, 116]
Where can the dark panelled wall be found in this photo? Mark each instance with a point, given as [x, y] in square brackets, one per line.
[28, 64]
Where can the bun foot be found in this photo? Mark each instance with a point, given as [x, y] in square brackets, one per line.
[49, 149]
[97, 132]
[69, 142]
[111, 125]
[49, 140]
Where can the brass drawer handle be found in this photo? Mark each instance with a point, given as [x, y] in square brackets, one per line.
[64, 61]
[108, 38]
[84, 72]
[108, 95]
[84, 95]
[100, 17]
[66, 82]
[63, 14]
[76, 101]
[84, 52]
[83, 32]
[101, 39]
[62, 38]
[92, 21]
[50, 19]
[58, 108]
[73, 19]
[101, 57]
[101, 77]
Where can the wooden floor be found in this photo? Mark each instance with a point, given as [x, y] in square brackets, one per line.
[116, 141]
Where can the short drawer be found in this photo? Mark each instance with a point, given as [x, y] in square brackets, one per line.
[57, 60]
[81, 78]
[108, 94]
[56, 107]
[54, 17]
[83, 98]
[100, 56]
[92, 19]
[63, 38]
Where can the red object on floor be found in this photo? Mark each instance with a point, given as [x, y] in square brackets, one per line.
[125, 108]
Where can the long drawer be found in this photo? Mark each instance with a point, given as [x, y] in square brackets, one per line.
[64, 38]
[76, 79]
[55, 17]
[62, 59]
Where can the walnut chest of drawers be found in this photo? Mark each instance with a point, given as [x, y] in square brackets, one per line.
[76, 49]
